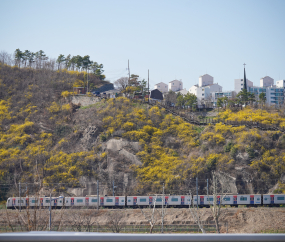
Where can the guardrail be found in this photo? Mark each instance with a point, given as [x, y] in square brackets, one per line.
[107, 237]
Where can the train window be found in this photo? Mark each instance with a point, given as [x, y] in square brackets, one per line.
[159, 199]
[47, 201]
[243, 199]
[280, 198]
[93, 200]
[227, 199]
[129, 200]
[109, 200]
[265, 198]
[174, 199]
[209, 199]
[258, 199]
[34, 201]
[60, 201]
[142, 200]
[79, 200]
[66, 201]
[21, 201]
[122, 201]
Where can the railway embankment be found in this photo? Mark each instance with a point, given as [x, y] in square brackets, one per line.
[232, 220]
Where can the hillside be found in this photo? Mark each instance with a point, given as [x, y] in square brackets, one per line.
[48, 141]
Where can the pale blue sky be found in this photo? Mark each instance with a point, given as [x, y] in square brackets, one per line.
[173, 39]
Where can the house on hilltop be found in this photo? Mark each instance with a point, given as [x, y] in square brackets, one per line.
[175, 85]
[161, 87]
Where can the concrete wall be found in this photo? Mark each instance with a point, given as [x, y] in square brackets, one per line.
[84, 100]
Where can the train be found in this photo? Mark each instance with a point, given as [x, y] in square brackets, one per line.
[176, 201]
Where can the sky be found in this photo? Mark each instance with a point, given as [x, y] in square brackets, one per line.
[175, 39]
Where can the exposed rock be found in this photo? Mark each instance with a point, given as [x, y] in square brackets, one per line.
[89, 137]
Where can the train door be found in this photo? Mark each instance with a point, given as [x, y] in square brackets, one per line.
[150, 200]
[202, 200]
[87, 201]
[14, 202]
[182, 200]
[42, 202]
[251, 199]
[27, 202]
[166, 200]
[235, 199]
[72, 201]
[55, 202]
[135, 200]
[218, 199]
[116, 201]
[101, 201]
[272, 199]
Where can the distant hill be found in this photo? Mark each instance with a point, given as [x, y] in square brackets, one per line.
[46, 140]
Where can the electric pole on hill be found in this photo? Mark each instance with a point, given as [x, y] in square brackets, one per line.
[129, 72]
[148, 83]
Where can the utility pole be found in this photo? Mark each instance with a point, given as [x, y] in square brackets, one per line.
[129, 71]
[162, 215]
[87, 79]
[207, 187]
[97, 195]
[19, 196]
[148, 83]
[49, 211]
[197, 190]
[113, 189]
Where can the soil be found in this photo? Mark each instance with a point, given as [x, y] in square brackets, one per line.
[232, 220]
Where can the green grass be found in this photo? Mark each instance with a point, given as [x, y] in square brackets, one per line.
[273, 231]
[199, 129]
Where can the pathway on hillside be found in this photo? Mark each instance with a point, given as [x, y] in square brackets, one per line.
[188, 117]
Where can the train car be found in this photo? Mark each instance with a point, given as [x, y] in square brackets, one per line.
[139, 201]
[178, 201]
[14, 202]
[273, 199]
[75, 201]
[34, 202]
[117, 201]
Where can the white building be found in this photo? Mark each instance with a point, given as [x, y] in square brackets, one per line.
[239, 85]
[205, 89]
[161, 87]
[280, 83]
[205, 93]
[175, 85]
[266, 81]
[228, 94]
[206, 80]
[183, 91]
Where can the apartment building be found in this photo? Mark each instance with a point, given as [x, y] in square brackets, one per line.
[175, 85]
[163, 87]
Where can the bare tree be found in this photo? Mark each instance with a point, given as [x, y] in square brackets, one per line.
[170, 98]
[115, 221]
[122, 83]
[197, 214]
[152, 217]
[218, 198]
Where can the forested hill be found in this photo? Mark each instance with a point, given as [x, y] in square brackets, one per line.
[45, 140]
